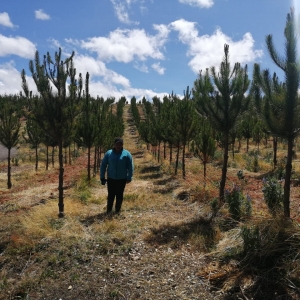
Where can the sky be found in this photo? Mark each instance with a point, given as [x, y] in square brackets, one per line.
[141, 48]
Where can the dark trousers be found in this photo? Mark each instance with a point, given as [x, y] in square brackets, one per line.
[115, 188]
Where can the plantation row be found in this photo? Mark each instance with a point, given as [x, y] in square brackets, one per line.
[225, 106]
[222, 108]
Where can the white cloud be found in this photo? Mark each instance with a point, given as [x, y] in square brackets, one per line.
[110, 83]
[125, 45]
[41, 15]
[160, 70]
[208, 50]
[17, 46]
[200, 3]
[141, 67]
[5, 20]
[121, 10]
[10, 80]
[84, 64]
[55, 44]
[144, 10]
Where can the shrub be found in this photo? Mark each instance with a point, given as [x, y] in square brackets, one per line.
[280, 169]
[238, 204]
[251, 239]
[214, 205]
[273, 194]
[240, 175]
[268, 156]
[252, 164]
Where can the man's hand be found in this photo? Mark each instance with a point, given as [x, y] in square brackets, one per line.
[103, 181]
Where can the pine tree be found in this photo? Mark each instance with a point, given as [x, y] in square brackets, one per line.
[56, 111]
[33, 135]
[204, 145]
[280, 101]
[87, 127]
[222, 101]
[9, 129]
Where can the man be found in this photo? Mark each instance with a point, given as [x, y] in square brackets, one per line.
[118, 164]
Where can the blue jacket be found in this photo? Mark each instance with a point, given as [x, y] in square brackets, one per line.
[119, 165]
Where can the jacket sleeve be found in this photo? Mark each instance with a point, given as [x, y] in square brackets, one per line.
[130, 166]
[103, 165]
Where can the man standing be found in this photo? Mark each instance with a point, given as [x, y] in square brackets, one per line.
[118, 164]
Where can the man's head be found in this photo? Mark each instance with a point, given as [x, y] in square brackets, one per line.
[118, 140]
[118, 144]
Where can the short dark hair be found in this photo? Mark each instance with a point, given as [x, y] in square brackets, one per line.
[118, 140]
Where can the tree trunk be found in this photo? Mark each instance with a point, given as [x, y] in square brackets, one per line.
[89, 164]
[204, 172]
[183, 162]
[66, 159]
[53, 157]
[224, 171]
[70, 156]
[177, 159]
[158, 155]
[9, 185]
[60, 181]
[287, 182]
[47, 158]
[275, 141]
[95, 160]
[36, 158]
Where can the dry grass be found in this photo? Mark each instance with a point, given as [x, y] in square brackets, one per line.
[164, 245]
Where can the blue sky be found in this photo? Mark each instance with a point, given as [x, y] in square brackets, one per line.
[138, 47]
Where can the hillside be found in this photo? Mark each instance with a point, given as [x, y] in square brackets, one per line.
[164, 245]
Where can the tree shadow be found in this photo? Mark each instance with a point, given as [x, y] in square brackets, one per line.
[150, 176]
[150, 169]
[138, 154]
[179, 234]
[268, 288]
[96, 218]
[163, 181]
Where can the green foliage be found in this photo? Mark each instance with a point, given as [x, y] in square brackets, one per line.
[84, 196]
[220, 97]
[9, 122]
[240, 174]
[204, 145]
[214, 205]
[273, 194]
[279, 102]
[280, 169]
[252, 161]
[131, 197]
[58, 104]
[251, 239]
[238, 204]
[268, 156]
[15, 161]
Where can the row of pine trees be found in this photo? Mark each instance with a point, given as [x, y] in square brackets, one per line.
[223, 106]
[58, 117]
